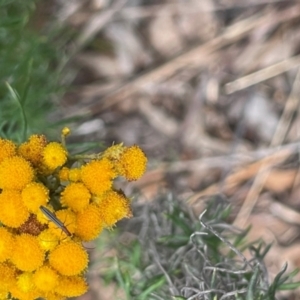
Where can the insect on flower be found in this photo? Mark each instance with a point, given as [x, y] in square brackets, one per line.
[52, 217]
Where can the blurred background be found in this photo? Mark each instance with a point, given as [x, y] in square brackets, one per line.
[210, 90]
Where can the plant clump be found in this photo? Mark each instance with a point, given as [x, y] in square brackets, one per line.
[51, 202]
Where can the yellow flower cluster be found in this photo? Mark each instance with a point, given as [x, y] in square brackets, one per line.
[51, 202]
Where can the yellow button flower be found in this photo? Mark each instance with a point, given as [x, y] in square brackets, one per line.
[89, 223]
[17, 293]
[32, 149]
[54, 155]
[13, 212]
[68, 258]
[24, 282]
[132, 163]
[76, 196]
[45, 279]
[34, 195]
[75, 174]
[7, 149]
[15, 173]
[63, 174]
[27, 255]
[48, 240]
[97, 175]
[66, 131]
[72, 286]
[114, 206]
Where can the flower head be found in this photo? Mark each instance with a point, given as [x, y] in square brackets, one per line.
[27, 255]
[75, 174]
[54, 155]
[32, 149]
[72, 286]
[89, 223]
[15, 173]
[114, 206]
[63, 174]
[76, 196]
[132, 163]
[68, 258]
[34, 195]
[97, 175]
[48, 240]
[66, 131]
[45, 279]
[17, 293]
[24, 282]
[13, 212]
[7, 149]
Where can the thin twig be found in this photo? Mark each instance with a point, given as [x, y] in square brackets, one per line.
[262, 75]
[264, 171]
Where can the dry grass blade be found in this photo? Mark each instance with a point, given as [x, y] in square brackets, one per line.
[244, 174]
[182, 8]
[285, 213]
[262, 75]
[263, 173]
[96, 23]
